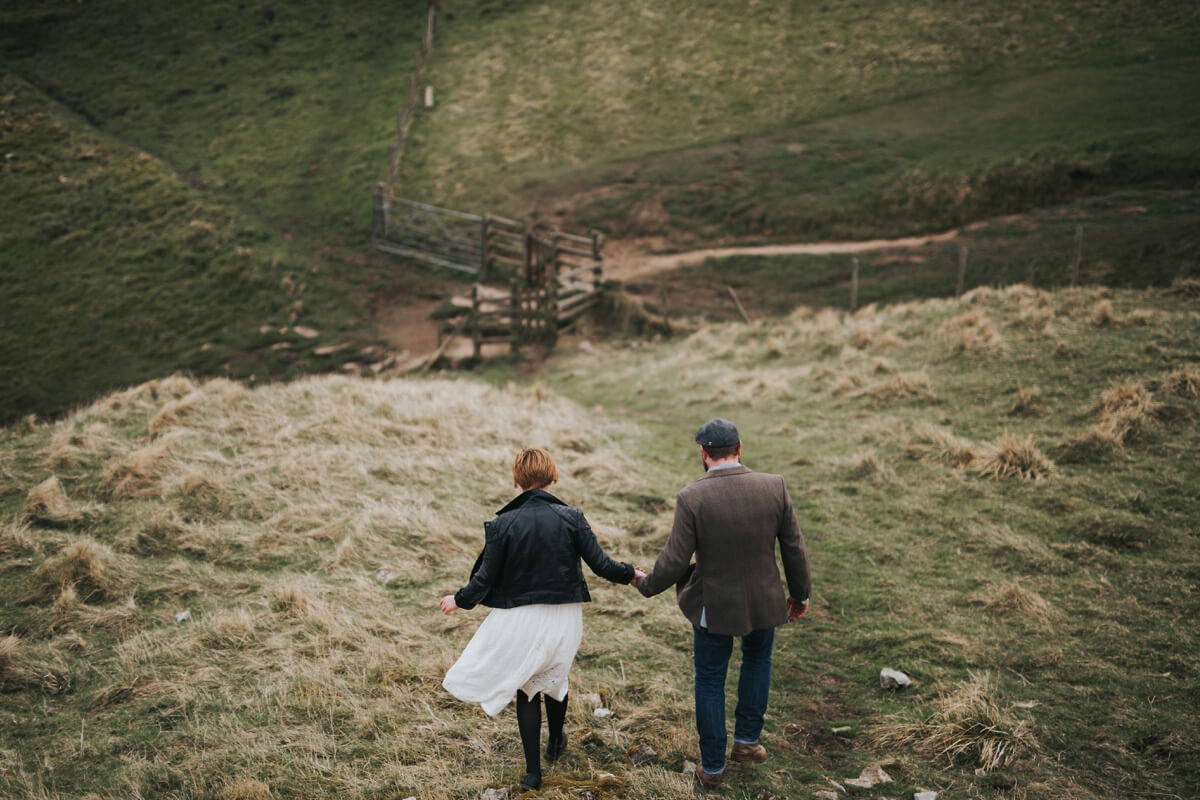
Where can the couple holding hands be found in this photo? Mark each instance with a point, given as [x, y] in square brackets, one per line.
[530, 574]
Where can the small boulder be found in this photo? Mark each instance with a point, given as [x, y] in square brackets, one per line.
[893, 679]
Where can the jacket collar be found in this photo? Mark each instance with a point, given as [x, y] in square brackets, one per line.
[532, 494]
[720, 473]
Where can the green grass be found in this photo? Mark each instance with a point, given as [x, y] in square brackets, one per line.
[618, 116]
[178, 179]
[268, 512]
[118, 271]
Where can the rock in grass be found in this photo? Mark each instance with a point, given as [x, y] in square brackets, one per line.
[893, 679]
[497, 794]
[870, 777]
[642, 754]
[925, 796]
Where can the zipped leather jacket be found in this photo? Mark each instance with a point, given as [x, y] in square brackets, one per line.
[531, 554]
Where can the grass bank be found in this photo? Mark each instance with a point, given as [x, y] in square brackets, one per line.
[995, 493]
[117, 270]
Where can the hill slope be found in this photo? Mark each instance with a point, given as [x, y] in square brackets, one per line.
[308, 530]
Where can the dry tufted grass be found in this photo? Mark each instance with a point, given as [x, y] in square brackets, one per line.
[929, 440]
[1012, 456]
[90, 567]
[973, 332]
[1028, 402]
[968, 724]
[48, 502]
[1184, 381]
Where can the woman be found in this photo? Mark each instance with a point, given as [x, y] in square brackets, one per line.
[529, 574]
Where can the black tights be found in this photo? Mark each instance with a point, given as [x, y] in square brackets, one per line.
[529, 723]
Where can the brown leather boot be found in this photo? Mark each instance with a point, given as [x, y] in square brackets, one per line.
[707, 781]
[748, 753]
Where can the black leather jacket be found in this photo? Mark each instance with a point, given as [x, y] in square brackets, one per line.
[531, 555]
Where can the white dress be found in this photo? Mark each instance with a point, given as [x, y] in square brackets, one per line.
[530, 648]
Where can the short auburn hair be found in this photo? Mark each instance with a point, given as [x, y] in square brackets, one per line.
[534, 468]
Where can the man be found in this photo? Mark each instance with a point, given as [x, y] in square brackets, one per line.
[731, 519]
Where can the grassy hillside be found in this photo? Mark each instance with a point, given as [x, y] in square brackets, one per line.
[182, 185]
[117, 271]
[996, 494]
[803, 119]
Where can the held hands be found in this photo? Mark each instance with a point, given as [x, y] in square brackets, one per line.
[448, 604]
[796, 609]
[638, 574]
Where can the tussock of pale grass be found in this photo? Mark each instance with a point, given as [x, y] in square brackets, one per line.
[903, 386]
[929, 440]
[973, 332]
[173, 412]
[1103, 315]
[1012, 456]
[847, 383]
[869, 465]
[139, 473]
[227, 629]
[68, 612]
[1028, 402]
[1004, 540]
[968, 725]
[1014, 600]
[1126, 409]
[48, 502]
[246, 789]
[1184, 381]
[69, 449]
[17, 544]
[91, 567]
[10, 647]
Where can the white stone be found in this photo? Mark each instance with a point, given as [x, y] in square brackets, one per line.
[183, 615]
[602, 713]
[893, 679]
[869, 777]
[925, 796]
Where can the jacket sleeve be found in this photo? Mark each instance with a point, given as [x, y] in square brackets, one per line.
[672, 563]
[487, 571]
[594, 556]
[792, 551]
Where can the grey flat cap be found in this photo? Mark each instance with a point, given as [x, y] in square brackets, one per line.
[717, 433]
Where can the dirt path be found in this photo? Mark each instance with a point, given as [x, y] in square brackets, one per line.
[627, 260]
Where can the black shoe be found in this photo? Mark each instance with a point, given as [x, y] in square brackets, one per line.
[531, 781]
[554, 748]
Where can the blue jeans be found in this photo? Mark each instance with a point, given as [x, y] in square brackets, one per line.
[711, 655]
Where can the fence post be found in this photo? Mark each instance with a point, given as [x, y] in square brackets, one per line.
[549, 294]
[1078, 255]
[516, 304]
[854, 287]
[477, 347]
[962, 270]
[381, 221]
[483, 246]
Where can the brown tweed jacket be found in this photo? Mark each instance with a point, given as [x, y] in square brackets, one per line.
[730, 519]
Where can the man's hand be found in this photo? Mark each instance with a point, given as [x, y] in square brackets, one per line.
[796, 609]
[448, 604]
[638, 574]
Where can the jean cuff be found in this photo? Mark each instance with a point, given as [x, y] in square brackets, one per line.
[743, 741]
[714, 772]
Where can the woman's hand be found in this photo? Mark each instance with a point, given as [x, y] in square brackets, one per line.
[448, 605]
[638, 574]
